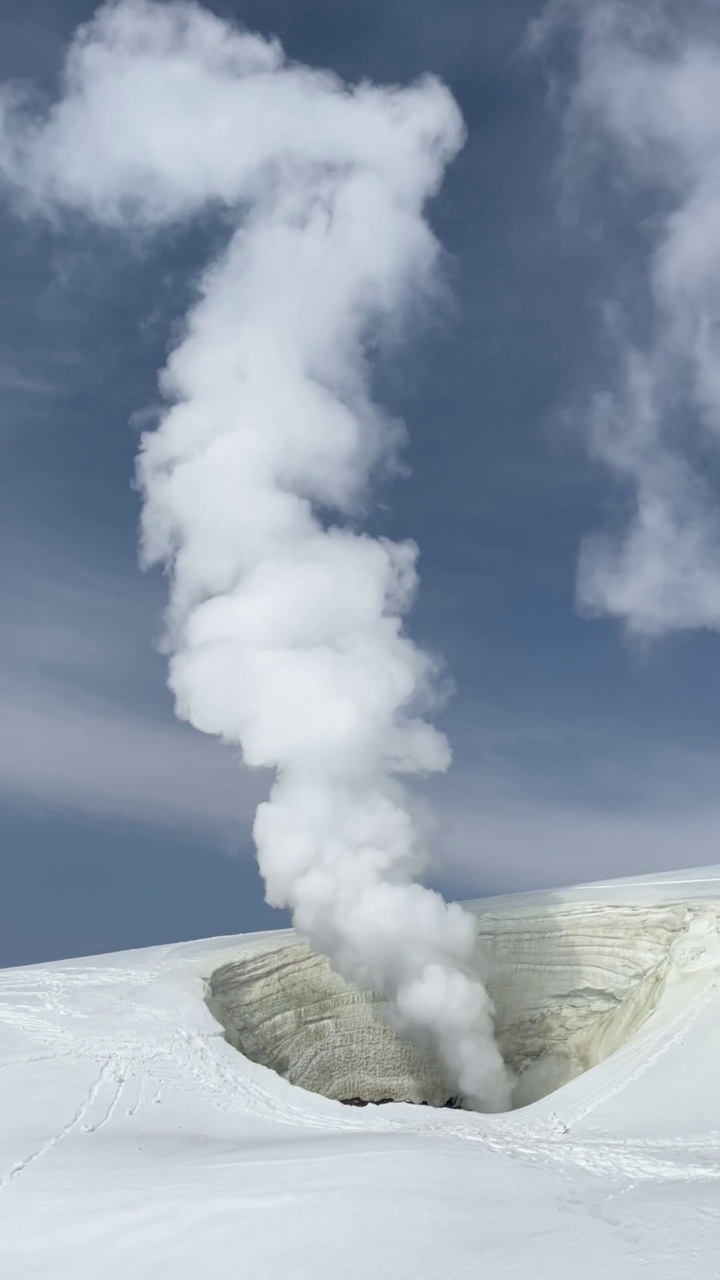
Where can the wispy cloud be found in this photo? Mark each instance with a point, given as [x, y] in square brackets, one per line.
[501, 829]
[526, 845]
[16, 380]
[77, 730]
[643, 118]
[539, 802]
[92, 758]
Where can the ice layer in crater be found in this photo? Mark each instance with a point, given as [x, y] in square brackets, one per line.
[571, 982]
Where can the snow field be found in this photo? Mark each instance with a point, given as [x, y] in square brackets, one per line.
[137, 1144]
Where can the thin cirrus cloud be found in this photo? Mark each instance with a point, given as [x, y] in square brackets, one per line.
[519, 820]
[94, 759]
[542, 845]
[78, 732]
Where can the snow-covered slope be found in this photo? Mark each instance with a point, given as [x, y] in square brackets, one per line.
[135, 1141]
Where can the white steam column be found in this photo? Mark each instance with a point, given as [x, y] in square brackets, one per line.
[284, 627]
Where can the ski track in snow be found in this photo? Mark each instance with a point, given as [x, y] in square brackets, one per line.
[23, 1165]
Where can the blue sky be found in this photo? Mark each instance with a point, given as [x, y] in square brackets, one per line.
[578, 754]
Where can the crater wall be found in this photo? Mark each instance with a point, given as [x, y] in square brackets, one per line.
[571, 982]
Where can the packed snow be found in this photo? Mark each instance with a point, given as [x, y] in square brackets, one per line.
[136, 1141]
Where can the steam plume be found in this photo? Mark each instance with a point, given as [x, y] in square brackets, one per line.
[646, 105]
[284, 629]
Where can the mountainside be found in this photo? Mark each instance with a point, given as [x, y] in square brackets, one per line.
[136, 1141]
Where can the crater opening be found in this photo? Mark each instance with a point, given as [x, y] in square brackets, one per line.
[571, 982]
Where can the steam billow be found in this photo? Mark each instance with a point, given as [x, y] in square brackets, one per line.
[285, 623]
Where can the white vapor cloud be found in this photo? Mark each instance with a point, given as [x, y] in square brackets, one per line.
[644, 111]
[285, 626]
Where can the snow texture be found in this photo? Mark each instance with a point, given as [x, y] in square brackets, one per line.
[137, 1144]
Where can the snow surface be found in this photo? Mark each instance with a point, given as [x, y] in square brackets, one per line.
[136, 1142]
